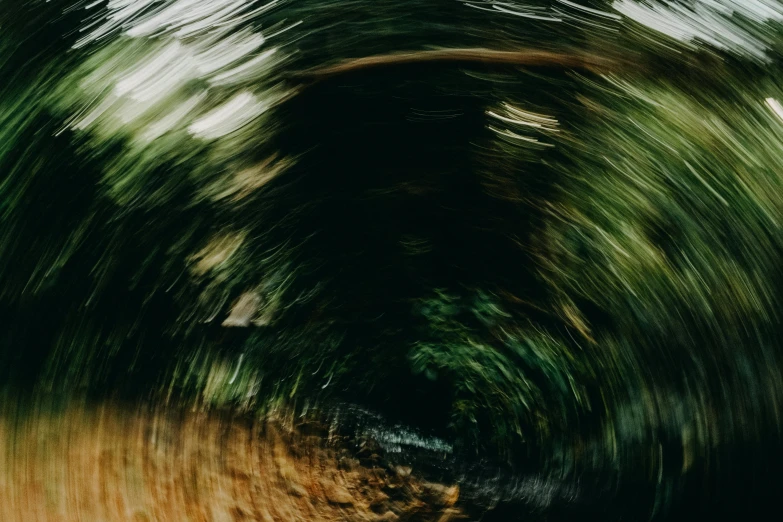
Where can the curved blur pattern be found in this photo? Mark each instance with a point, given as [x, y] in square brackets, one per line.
[375, 261]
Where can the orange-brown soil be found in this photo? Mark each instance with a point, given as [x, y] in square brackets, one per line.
[111, 463]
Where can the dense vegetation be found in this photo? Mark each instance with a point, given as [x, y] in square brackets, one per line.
[575, 269]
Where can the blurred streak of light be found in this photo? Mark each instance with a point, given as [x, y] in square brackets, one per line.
[775, 106]
[713, 22]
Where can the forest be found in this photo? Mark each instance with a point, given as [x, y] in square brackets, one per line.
[373, 260]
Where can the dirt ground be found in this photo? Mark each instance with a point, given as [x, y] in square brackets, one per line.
[111, 463]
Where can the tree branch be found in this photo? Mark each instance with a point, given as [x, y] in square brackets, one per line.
[525, 57]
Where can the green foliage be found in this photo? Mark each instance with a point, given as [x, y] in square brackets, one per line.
[579, 263]
[513, 380]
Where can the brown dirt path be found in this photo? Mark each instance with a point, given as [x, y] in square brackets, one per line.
[111, 463]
